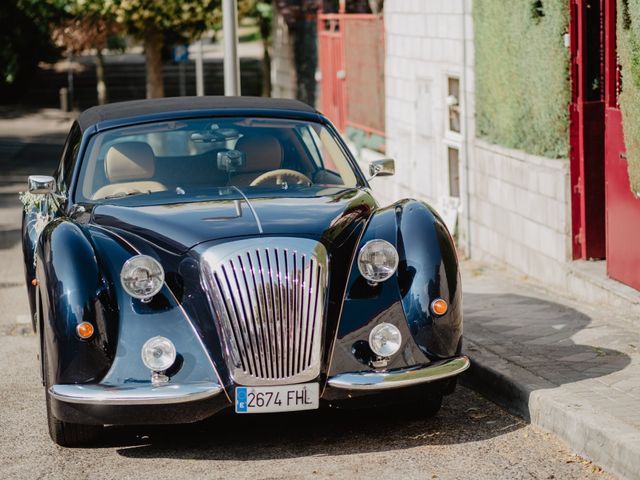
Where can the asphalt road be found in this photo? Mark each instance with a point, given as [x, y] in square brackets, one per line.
[471, 438]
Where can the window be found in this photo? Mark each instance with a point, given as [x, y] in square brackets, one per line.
[453, 104]
[69, 156]
[309, 137]
[454, 171]
[195, 158]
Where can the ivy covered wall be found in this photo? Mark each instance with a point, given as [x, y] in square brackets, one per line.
[628, 39]
[522, 74]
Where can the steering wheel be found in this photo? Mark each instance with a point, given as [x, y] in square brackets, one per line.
[279, 175]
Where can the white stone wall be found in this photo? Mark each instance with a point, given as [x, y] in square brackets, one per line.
[283, 72]
[520, 211]
[515, 207]
[426, 41]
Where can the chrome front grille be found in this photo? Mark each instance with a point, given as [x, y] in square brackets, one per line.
[269, 297]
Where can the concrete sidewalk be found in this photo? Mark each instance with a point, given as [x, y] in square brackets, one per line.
[569, 368]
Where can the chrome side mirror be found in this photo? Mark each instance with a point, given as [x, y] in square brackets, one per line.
[382, 168]
[41, 184]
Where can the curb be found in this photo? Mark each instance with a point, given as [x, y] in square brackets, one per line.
[595, 435]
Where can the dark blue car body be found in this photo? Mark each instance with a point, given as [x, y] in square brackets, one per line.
[74, 278]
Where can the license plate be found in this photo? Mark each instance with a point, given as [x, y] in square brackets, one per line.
[285, 398]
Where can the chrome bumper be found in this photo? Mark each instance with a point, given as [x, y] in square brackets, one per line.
[146, 394]
[402, 377]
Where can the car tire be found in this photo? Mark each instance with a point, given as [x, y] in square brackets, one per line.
[68, 434]
[62, 433]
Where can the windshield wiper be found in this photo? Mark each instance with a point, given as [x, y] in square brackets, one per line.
[124, 194]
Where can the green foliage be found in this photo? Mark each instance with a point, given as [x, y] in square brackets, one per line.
[261, 11]
[25, 40]
[522, 68]
[185, 17]
[628, 38]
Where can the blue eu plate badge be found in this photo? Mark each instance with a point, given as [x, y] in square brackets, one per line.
[241, 399]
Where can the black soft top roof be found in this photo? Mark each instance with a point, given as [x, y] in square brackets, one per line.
[135, 108]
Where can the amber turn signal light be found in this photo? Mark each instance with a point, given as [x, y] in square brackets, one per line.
[84, 330]
[439, 306]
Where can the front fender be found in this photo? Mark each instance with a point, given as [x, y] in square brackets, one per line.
[79, 273]
[427, 270]
[73, 289]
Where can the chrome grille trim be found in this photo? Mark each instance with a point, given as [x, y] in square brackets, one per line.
[269, 296]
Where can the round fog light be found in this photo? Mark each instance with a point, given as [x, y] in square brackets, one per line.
[385, 339]
[158, 354]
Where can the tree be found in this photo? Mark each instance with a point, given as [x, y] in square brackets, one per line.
[262, 12]
[301, 19]
[86, 29]
[25, 40]
[152, 21]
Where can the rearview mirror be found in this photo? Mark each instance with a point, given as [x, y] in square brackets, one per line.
[382, 168]
[231, 161]
[41, 184]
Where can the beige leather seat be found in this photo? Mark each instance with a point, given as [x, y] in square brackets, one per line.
[129, 166]
[263, 153]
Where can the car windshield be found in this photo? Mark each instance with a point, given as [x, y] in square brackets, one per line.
[181, 158]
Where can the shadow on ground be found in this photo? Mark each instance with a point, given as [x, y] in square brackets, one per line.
[20, 157]
[11, 112]
[535, 335]
[465, 417]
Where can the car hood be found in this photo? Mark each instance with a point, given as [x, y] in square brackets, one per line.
[322, 214]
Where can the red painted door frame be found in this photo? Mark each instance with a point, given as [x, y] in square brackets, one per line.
[586, 131]
[623, 208]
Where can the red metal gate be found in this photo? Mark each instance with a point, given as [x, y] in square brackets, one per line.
[333, 89]
[351, 57]
[623, 208]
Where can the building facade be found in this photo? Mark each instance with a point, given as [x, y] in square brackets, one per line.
[513, 205]
[504, 116]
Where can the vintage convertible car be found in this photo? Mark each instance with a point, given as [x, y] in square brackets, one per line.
[193, 255]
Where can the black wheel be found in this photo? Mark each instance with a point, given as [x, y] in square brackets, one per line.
[431, 405]
[66, 434]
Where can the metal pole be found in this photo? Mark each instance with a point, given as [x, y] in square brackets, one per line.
[466, 143]
[70, 86]
[199, 70]
[231, 65]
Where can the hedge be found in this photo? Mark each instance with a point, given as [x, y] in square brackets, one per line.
[522, 74]
[628, 39]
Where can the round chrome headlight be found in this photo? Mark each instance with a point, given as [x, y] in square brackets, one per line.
[158, 354]
[377, 260]
[385, 339]
[142, 276]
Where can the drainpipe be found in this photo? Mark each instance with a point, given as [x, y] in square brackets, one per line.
[465, 129]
